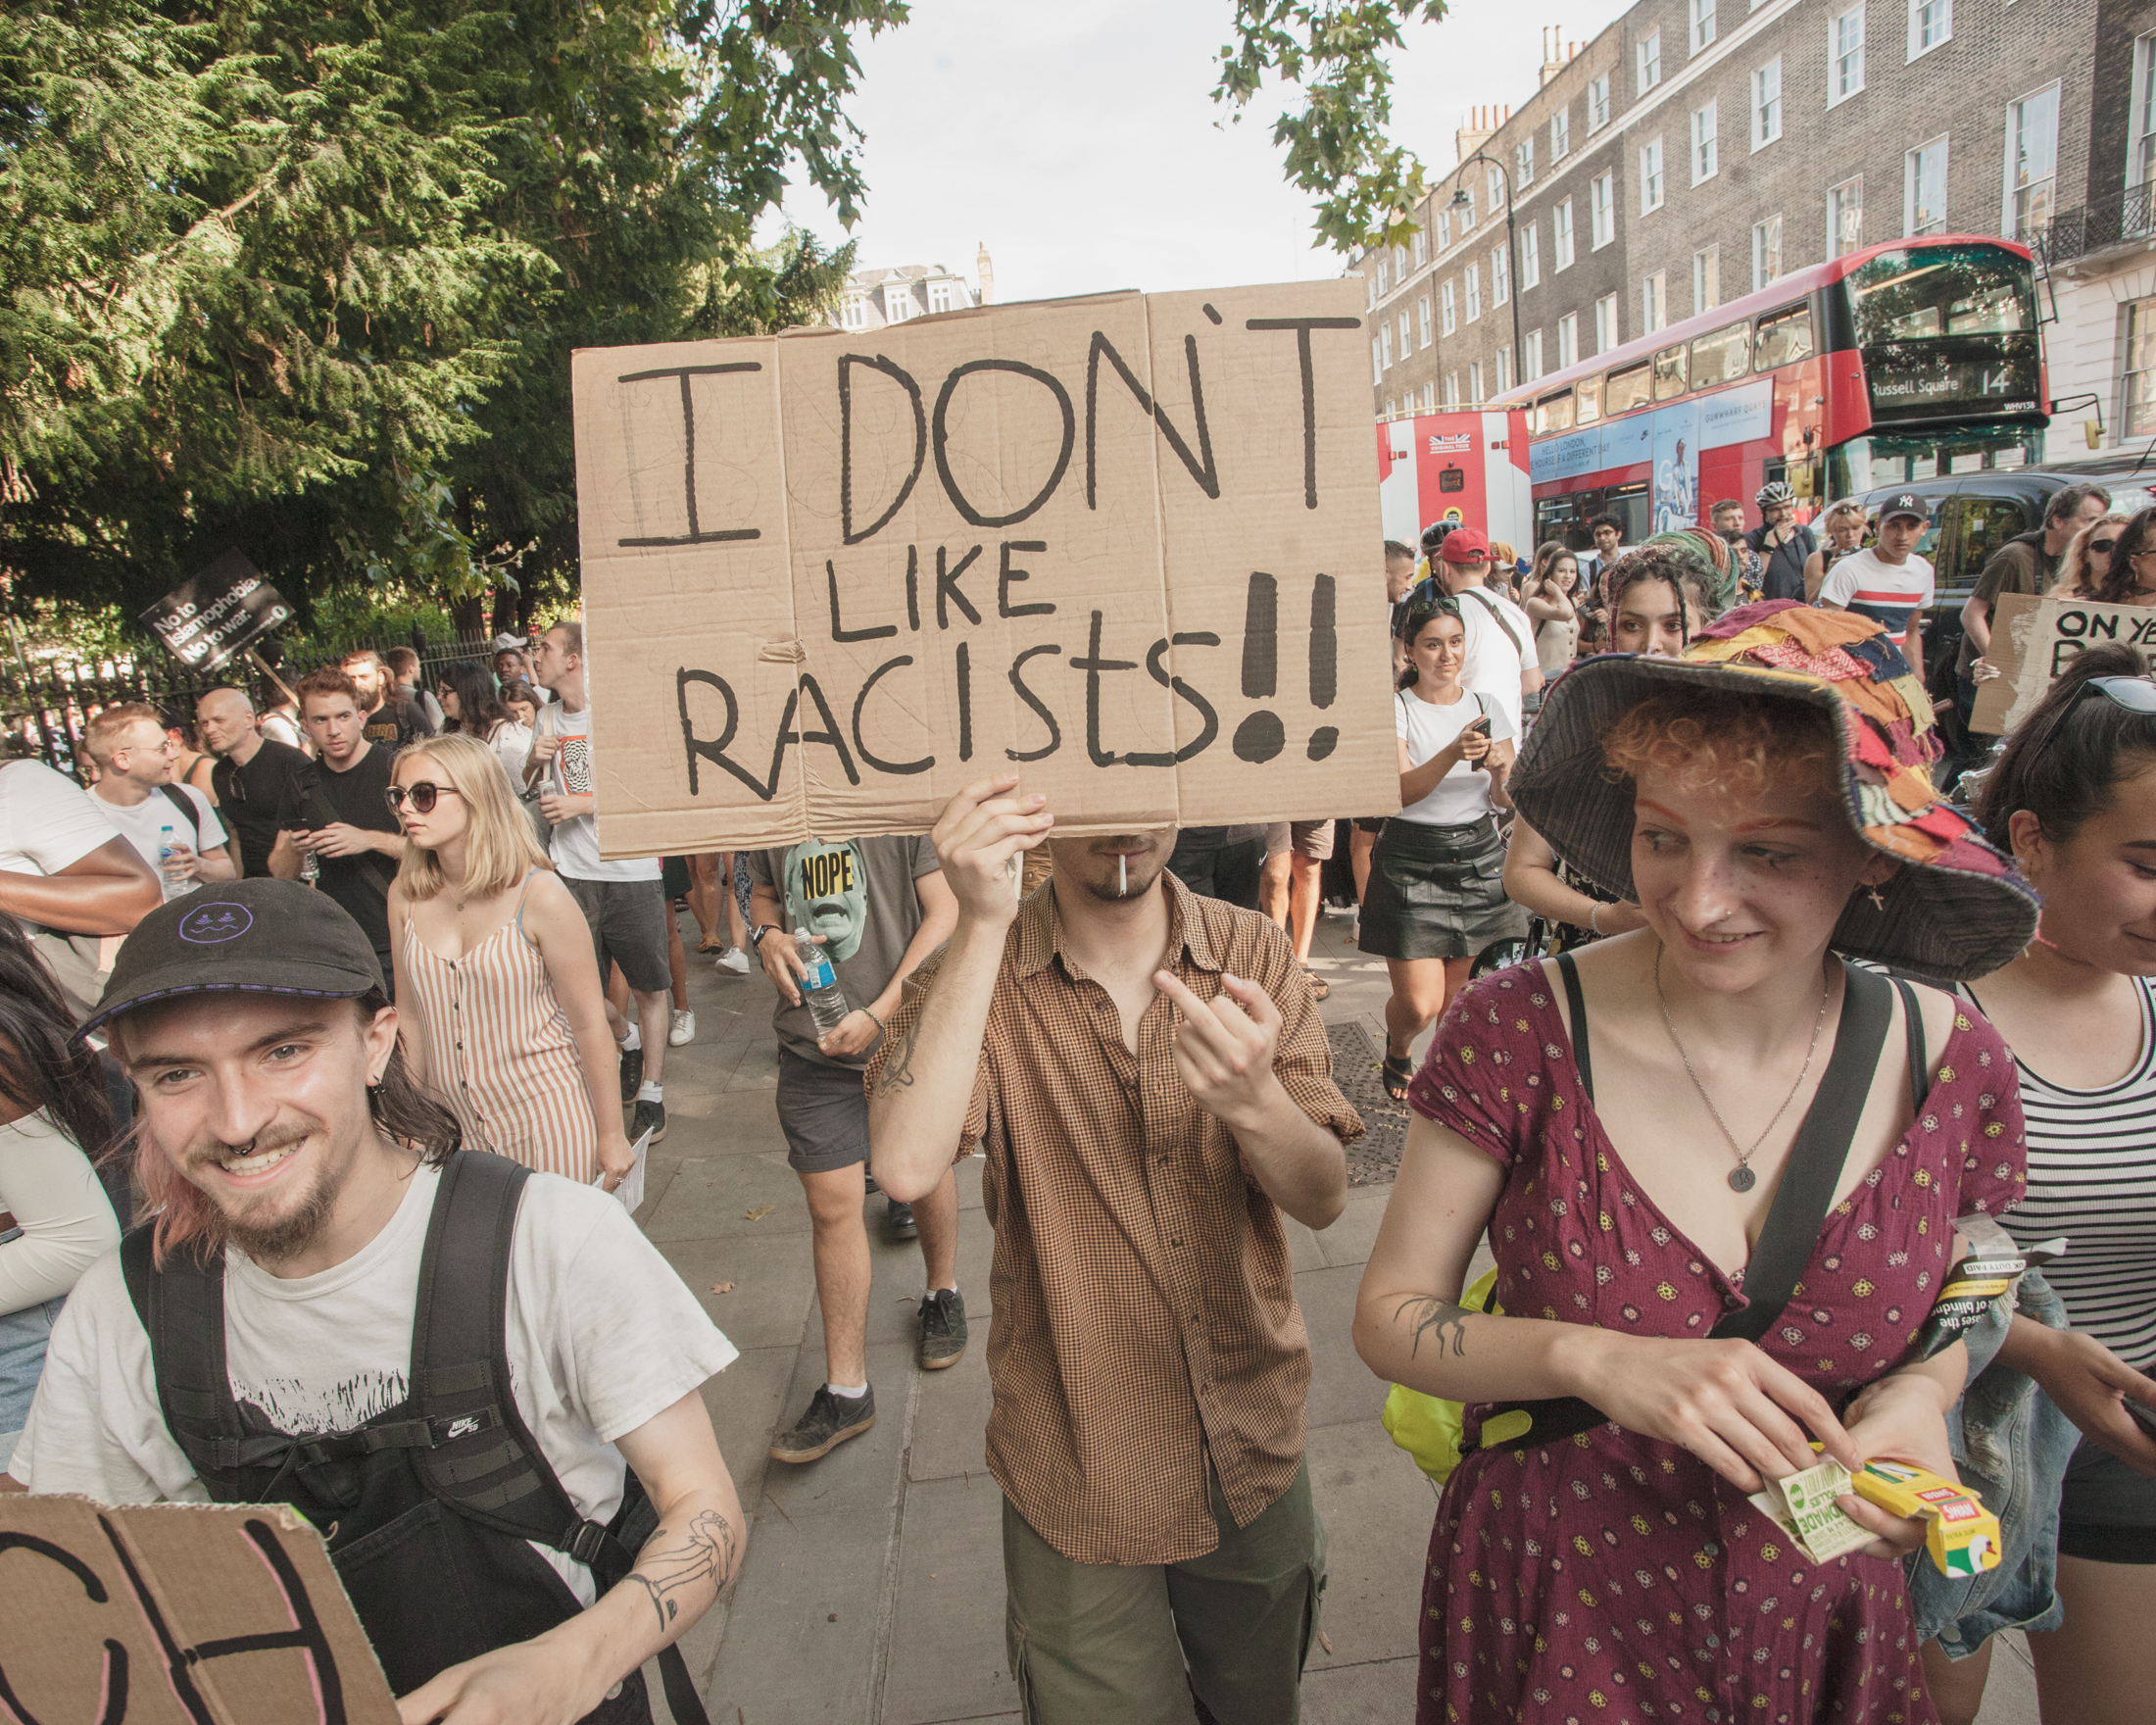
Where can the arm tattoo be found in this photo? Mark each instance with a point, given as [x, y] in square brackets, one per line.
[1430, 1313]
[703, 1552]
[898, 1072]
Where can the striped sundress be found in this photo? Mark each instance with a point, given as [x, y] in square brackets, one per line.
[499, 1052]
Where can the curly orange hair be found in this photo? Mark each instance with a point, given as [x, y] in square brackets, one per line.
[1718, 740]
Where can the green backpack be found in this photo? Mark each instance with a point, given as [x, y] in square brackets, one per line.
[1428, 1427]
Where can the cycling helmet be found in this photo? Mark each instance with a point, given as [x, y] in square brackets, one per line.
[1775, 492]
[1433, 535]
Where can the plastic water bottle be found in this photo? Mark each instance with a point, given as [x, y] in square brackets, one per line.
[819, 984]
[166, 844]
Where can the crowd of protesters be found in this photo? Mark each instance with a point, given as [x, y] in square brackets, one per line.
[1677, 893]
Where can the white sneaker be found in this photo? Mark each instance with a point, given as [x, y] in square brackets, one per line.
[735, 959]
[685, 1029]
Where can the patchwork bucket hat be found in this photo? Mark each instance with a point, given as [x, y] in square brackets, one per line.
[1956, 910]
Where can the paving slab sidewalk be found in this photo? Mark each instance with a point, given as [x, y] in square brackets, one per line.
[872, 1590]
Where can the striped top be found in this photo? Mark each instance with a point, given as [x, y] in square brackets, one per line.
[499, 1052]
[1889, 593]
[2093, 1177]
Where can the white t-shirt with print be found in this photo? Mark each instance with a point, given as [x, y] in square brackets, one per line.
[577, 842]
[602, 1337]
[1463, 794]
[142, 827]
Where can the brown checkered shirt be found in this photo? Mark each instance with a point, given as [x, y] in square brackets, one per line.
[1144, 1317]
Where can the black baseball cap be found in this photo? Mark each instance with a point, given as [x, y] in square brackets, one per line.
[241, 937]
[1904, 503]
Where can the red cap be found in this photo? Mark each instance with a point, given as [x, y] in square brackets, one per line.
[1463, 545]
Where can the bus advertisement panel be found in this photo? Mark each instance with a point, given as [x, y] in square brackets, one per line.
[1468, 468]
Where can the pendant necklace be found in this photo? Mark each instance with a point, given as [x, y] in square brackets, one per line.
[1742, 1178]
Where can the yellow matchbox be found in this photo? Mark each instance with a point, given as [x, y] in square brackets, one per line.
[1961, 1535]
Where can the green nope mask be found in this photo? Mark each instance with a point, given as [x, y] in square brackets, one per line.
[827, 894]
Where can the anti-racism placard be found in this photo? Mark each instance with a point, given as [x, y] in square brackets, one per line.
[1126, 546]
[2033, 640]
[222, 612]
[178, 1614]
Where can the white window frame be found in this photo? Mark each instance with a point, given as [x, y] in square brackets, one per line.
[1706, 147]
[1840, 64]
[853, 310]
[1451, 389]
[1370, 280]
[1568, 341]
[1532, 357]
[1602, 204]
[1392, 407]
[1501, 277]
[1648, 61]
[1407, 334]
[1854, 185]
[1492, 188]
[1911, 173]
[1767, 249]
[1466, 208]
[2140, 149]
[1376, 362]
[1607, 332]
[1422, 312]
[1654, 302]
[1445, 229]
[1523, 159]
[1384, 341]
[1473, 280]
[1560, 134]
[1766, 104]
[1384, 275]
[1702, 23]
[2007, 216]
[1422, 248]
[898, 303]
[1653, 187]
[1706, 278]
[1504, 370]
[1531, 256]
[1922, 12]
[1429, 396]
[1475, 396]
[1562, 249]
[1597, 104]
[1448, 318]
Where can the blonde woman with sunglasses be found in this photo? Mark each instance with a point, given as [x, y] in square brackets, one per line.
[502, 1013]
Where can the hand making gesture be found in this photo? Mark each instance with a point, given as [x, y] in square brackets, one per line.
[1223, 1048]
[980, 830]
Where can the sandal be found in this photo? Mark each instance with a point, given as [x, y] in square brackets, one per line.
[1399, 1073]
[1320, 988]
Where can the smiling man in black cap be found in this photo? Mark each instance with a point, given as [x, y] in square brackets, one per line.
[258, 1339]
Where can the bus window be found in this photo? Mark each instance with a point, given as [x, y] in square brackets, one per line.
[1622, 391]
[1941, 290]
[1723, 357]
[1783, 336]
[1669, 373]
[1587, 396]
[1554, 412]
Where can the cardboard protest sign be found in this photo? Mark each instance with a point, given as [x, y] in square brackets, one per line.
[2031, 640]
[1128, 546]
[220, 612]
[178, 1614]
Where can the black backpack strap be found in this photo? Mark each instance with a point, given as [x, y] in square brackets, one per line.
[1800, 1203]
[185, 803]
[1569, 973]
[1919, 1059]
[181, 1307]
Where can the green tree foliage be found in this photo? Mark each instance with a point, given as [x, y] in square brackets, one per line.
[1336, 145]
[306, 279]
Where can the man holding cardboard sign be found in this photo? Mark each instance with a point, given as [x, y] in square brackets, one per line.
[1147, 1073]
[336, 1309]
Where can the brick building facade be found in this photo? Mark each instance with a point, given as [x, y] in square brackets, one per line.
[1696, 149]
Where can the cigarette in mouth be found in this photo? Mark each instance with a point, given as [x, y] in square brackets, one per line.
[1122, 875]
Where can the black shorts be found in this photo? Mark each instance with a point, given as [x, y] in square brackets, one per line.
[628, 927]
[823, 1111]
[2107, 1511]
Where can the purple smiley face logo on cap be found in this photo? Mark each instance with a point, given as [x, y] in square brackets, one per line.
[208, 924]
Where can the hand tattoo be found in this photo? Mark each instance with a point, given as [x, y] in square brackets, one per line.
[1432, 1313]
[704, 1551]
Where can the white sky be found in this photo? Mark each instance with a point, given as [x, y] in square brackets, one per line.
[1079, 139]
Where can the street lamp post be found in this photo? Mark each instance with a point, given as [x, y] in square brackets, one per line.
[1462, 201]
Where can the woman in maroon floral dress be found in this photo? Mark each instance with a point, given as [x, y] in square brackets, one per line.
[1764, 800]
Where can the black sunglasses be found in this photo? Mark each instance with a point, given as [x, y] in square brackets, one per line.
[2103, 544]
[423, 795]
[2135, 694]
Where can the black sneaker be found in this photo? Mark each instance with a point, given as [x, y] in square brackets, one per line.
[942, 1329]
[632, 1073]
[897, 1220]
[827, 1424]
[652, 1115]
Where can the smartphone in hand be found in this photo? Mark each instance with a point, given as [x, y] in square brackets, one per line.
[1478, 726]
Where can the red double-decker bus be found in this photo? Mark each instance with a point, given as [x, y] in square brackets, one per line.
[1897, 363]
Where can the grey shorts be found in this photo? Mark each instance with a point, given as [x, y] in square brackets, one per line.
[823, 1111]
[628, 928]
